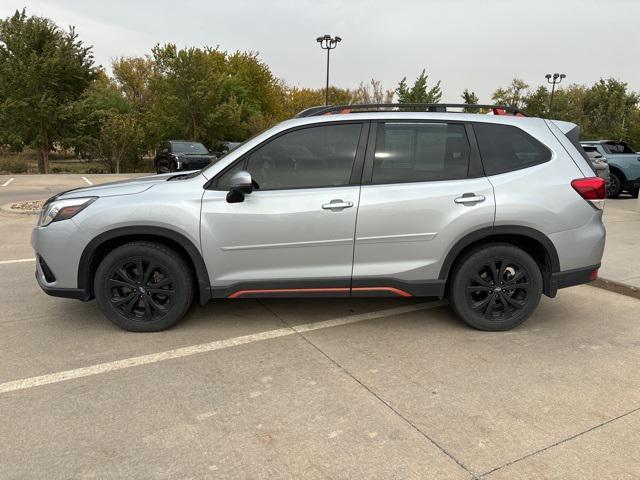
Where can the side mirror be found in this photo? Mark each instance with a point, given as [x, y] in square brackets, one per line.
[241, 184]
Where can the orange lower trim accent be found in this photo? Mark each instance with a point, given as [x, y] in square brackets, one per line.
[287, 290]
[397, 291]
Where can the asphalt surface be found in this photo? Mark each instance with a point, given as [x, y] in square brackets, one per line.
[326, 388]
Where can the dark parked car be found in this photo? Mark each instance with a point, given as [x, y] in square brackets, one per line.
[180, 155]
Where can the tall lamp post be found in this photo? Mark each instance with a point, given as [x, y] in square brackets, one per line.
[328, 43]
[554, 79]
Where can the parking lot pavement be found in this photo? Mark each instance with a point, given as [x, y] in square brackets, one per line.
[35, 187]
[326, 388]
[621, 262]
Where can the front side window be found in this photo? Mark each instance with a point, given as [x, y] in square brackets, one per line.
[504, 148]
[418, 152]
[320, 156]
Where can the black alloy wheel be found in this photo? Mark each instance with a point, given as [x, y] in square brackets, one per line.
[498, 289]
[144, 286]
[495, 286]
[141, 289]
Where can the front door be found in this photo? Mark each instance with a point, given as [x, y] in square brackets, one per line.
[294, 234]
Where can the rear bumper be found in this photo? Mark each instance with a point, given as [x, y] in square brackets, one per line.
[577, 276]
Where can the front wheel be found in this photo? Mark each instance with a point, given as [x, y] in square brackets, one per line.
[495, 287]
[143, 287]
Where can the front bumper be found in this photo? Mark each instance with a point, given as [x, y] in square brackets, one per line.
[58, 248]
[50, 288]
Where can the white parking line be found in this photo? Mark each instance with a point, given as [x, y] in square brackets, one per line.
[6, 184]
[87, 180]
[203, 347]
[20, 260]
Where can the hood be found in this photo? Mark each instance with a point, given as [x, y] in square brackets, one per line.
[121, 187]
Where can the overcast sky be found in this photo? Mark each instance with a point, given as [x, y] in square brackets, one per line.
[475, 44]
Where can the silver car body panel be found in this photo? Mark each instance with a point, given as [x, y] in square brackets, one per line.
[405, 229]
[277, 235]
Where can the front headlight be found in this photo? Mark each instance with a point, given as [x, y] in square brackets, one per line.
[63, 209]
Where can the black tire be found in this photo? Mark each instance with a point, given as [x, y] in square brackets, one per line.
[162, 167]
[479, 291]
[173, 167]
[124, 287]
[614, 187]
[634, 192]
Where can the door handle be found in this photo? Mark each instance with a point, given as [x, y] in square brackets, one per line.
[470, 198]
[337, 205]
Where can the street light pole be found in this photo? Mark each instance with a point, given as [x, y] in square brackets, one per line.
[553, 80]
[328, 43]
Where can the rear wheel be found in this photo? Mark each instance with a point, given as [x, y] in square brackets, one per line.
[614, 187]
[495, 287]
[143, 287]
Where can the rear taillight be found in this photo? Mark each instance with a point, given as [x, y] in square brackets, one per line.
[591, 189]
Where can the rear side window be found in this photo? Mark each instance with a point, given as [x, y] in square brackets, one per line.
[505, 148]
[418, 152]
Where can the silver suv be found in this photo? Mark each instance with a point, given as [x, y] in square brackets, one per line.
[490, 211]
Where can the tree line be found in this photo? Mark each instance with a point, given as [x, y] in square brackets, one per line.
[54, 96]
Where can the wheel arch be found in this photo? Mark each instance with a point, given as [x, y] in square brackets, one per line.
[618, 171]
[532, 241]
[100, 246]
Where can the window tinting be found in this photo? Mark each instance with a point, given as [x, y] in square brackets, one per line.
[505, 148]
[320, 156]
[419, 152]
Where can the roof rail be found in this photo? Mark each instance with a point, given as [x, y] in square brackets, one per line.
[413, 107]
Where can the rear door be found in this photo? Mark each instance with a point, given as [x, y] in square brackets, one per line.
[423, 189]
[295, 233]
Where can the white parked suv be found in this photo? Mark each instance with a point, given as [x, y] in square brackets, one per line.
[490, 211]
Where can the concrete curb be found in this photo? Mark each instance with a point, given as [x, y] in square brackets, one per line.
[617, 287]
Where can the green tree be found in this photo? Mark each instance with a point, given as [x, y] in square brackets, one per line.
[607, 109]
[536, 103]
[120, 138]
[132, 75]
[419, 92]
[101, 99]
[469, 98]
[209, 95]
[43, 70]
[512, 96]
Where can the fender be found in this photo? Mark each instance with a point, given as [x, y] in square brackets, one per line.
[88, 254]
[550, 285]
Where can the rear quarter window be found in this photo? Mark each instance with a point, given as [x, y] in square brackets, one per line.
[505, 148]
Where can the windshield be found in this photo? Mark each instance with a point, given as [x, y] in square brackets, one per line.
[189, 148]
